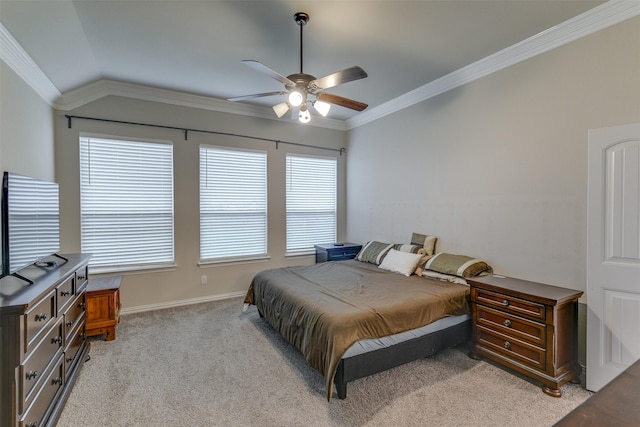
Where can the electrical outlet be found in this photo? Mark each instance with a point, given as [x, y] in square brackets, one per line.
[203, 280]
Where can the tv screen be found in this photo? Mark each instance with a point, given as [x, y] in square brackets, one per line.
[30, 221]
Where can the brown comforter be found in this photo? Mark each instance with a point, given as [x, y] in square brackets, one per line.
[323, 309]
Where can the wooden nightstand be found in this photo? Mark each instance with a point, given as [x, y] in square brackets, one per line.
[333, 252]
[529, 327]
[103, 306]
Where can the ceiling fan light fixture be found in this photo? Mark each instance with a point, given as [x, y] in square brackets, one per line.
[304, 115]
[281, 109]
[295, 98]
[322, 107]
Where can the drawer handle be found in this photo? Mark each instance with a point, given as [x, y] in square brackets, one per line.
[69, 323]
[33, 424]
[507, 345]
[507, 323]
[56, 381]
[31, 375]
[41, 317]
[65, 293]
[505, 303]
[56, 340]
[82, 305]
[69, 359]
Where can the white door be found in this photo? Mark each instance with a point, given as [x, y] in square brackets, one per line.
[613, 253]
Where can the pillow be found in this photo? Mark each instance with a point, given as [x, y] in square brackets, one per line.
[427, 242]
[445, 277]
[373, 252]
[400, 262]
[459, 265]
[423, 260]
[407, 248]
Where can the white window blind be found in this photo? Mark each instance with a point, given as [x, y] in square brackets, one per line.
[233, 203]
[311, 202]
[126, 202]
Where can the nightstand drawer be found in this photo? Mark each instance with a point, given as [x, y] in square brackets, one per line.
[342, 254]
[331, 252]
[511, 325]
[512, 348]
[510, 304]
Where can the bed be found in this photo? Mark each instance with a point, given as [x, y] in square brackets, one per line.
[351, 319]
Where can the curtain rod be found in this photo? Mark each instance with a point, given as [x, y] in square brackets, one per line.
[187, 130]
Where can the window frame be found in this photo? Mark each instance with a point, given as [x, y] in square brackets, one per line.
[129, 266]
[308, 250]
[236, 258]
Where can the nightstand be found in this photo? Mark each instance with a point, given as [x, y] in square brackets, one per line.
[336, 252]
[529, 327]
[103, 306]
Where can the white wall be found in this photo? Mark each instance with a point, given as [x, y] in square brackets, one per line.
[152, 289]
[497, 169]
[26, 129]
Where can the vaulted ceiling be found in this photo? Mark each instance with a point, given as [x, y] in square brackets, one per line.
[196, 47]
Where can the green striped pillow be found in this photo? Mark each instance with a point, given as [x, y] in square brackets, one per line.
[459, 265]
[373, 252]
[426, 241]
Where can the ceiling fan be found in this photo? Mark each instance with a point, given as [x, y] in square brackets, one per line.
[304, 88]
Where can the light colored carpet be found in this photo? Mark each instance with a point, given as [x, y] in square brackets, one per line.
[210, 364]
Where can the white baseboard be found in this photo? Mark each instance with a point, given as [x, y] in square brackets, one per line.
[150, 307]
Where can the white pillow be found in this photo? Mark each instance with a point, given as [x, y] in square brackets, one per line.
[400, 262]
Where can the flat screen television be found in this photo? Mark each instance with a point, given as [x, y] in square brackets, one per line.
[30, 221]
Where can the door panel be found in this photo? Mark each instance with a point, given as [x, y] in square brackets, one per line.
[613, 253]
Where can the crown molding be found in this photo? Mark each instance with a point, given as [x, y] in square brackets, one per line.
[101, 88]
[589, 22]
[21, 63]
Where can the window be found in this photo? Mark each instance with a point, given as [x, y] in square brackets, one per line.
[126, 197]
[311, 202]
[233, 204]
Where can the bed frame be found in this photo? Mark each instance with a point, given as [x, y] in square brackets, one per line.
[370, 363]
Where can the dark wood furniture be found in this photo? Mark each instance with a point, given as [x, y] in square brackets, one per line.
[528, 327]
[336, 252]
[616, 404]
[43, 342]
[103, 306]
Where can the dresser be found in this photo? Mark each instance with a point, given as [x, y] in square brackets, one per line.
[336, 251]
[103, 306]
[526, 326]
[43, 342]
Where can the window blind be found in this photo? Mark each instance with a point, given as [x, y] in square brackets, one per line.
[311, 201]
[126, 202]
[233, 203]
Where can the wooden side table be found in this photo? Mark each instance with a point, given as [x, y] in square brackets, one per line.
[103, 306]
[529, 327]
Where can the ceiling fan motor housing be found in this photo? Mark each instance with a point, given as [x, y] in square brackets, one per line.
[301, 81]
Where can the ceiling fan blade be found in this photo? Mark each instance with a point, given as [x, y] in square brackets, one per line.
[341, 101]
[258, 66]
[338, 78]
[257, 95]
